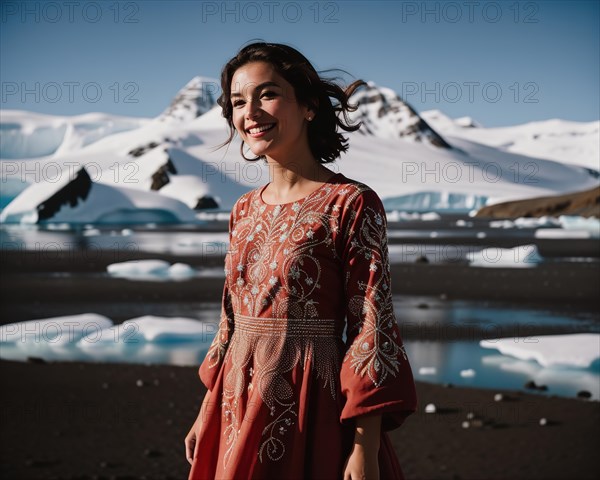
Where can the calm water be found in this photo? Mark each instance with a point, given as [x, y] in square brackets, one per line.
[441, 321]
[439, 333]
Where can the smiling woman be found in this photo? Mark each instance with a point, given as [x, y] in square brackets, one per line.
[286, 75]
[307, 260]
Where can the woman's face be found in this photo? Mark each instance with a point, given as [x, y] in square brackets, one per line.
[265, 112]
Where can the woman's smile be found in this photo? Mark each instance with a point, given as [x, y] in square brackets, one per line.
[260, 130]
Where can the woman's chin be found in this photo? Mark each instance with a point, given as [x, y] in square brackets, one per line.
[259, 150]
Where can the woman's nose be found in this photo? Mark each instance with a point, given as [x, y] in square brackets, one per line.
[252, 109]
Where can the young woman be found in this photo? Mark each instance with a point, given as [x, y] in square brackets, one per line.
[307, 263]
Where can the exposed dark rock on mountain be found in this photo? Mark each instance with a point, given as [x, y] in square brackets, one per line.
[161, 176]
[205, 202]
[197, 97]
[385, 114]
[71, 194]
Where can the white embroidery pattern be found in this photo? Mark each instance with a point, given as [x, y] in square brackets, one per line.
[377, 346]
[271, 251]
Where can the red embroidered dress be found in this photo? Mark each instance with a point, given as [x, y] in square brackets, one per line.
[285, 387]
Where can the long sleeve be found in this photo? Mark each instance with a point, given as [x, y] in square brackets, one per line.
[376, 377]
[211, 366]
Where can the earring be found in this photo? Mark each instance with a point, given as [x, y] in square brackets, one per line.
[244, 156]
[310, 118]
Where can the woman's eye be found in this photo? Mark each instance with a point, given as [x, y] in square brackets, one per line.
[269, 94]
[237, 103]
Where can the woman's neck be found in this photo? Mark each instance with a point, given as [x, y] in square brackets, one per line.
[295, 179]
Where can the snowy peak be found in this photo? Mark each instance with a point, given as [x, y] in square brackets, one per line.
[197, 97]
[384, 114]
[564, 141]
[467, 122]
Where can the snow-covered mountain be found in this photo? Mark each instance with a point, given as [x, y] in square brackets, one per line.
[196, 98]
[168, 168]
[575, 143]
[32, 135]
[385, 115]
[74, 198]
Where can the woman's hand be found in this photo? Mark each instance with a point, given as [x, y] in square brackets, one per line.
[362, 464]
[190, 440]
[191, 437]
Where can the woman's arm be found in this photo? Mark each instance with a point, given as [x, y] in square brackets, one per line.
[362, 464]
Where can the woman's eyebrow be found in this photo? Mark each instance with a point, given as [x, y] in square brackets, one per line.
[258, 87]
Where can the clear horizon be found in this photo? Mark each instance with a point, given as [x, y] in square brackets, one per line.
[501, 63]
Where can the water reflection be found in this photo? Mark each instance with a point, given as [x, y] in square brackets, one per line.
[495, 370]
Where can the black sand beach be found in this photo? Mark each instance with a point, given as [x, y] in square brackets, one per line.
[85, 420]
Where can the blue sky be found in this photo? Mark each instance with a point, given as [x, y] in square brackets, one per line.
[502, 63]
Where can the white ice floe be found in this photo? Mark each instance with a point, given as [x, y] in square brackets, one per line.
[467, 373]
[502, 224]
[429, 216]
[576, 350]
[561, 233]
[153, 329]
[535, 222]
[576, 223]
[56, 331]
[151, 270]
[427, 371]
[181, 270]
[86, 337]
[518, 257]
[394, 215]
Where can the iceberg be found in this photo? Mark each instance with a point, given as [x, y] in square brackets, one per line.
[579, 350]
[151, 270]
[56, 331]
[76, 198]
[152, 329]
[93, 337]
[522, 256]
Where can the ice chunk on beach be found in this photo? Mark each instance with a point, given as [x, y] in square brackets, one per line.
[522, 256]
[427, 371]
[536, 222]
[561, 233]
[150, 328]
[575, 222]
[575, 350]
[139, 268]
[181, 270]
[56, 331]
[151, 270]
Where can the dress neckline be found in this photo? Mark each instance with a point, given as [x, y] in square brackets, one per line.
[327, 182]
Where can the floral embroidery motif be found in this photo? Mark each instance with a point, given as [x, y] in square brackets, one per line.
[372, 308]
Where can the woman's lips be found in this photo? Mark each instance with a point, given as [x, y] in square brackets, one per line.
[261, 130]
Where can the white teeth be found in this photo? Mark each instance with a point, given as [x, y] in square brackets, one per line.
[262, 128]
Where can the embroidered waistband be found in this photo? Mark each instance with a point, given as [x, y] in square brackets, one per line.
[301, 327]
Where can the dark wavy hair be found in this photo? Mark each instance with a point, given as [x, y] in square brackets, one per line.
[312, 91]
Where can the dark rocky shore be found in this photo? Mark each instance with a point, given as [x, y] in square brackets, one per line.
[85, 420]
